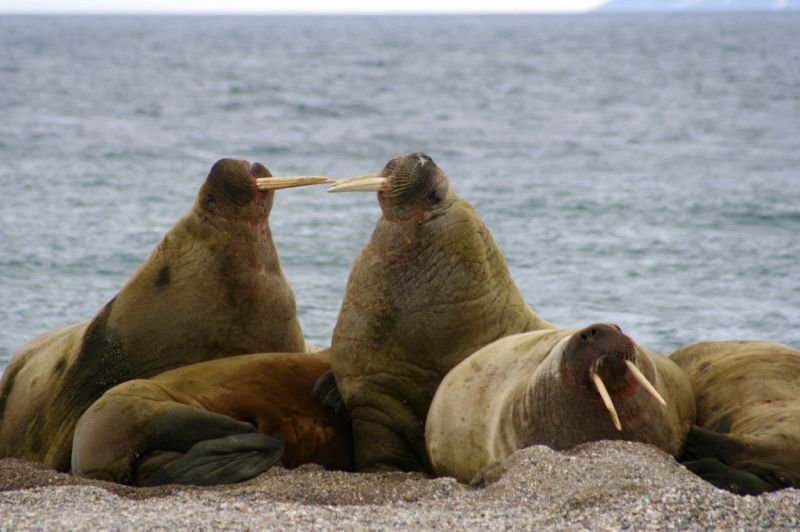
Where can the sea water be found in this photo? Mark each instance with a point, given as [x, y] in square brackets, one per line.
[636, 169]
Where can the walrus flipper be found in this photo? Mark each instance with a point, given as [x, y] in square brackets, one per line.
[326, 392]
[728, 478]
[225, 460]
[709, 454]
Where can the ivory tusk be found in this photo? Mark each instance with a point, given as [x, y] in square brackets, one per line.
[275, 183]
[644, 382]
[360, 183]
[601, 389]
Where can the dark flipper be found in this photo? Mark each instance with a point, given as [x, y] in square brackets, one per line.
[702, 443]
[327, 392]
[720, 459]
[223, 460]
[728, 478]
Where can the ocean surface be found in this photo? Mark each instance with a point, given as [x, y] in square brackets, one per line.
[639, 169]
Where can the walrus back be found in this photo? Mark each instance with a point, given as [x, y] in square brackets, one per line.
[735, 383]
[29, 390]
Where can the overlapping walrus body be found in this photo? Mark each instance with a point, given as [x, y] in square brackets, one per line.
[428, 289]
[214, 422]
[557, 388]
[747, 438]
[213, 287]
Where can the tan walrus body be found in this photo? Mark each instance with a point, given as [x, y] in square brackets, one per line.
[428, 289]
[747, 438]
[213, 422]
[539, 388]
[212, 287]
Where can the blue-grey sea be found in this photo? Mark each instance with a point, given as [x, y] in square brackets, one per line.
[639, 169]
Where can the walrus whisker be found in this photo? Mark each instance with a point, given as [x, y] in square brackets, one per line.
[644, 382]
[360, 183]
[601, 389]
[400, 185]
[275, 183]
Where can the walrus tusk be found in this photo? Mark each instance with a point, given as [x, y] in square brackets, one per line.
[601, 389]
[644, 382]
[275, 183]
[360, 183]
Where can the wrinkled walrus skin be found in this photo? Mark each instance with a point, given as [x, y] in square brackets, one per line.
[212, 287]
[214, 422]
[537, 389]
[429, 288]
[747, 438]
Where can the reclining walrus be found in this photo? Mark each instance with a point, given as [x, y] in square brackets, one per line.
[214, 422]
[557, 388]
[747, 438]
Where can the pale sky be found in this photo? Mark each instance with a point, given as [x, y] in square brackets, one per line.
[295, 6]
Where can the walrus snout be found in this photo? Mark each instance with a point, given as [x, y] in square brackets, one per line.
[603, 357]
[231, 182]
[259, 170]
[409, 186]
[589, 345]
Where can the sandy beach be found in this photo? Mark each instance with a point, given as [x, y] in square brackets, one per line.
[602, 485]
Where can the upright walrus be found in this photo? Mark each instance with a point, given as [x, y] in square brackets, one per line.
[213, 422]
[747, 438]
[429, 288]
[212, 287]
[555, 388]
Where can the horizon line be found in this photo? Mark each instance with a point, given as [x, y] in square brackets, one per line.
[379, 13]
[355, 12]
[294, 13]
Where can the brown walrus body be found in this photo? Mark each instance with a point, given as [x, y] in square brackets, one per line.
[429, 288]
[214, 422]
[539, 388]
[747, 438]
[213, 287]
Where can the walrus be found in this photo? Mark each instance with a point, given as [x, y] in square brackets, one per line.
[428, 289]
[212, 287]
[747, 438]
[214, 422]
[557, 388]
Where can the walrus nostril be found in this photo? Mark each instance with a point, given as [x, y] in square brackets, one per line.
[590, 344]
[600, 332]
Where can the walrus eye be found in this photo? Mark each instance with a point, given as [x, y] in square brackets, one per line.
[209, 200]
[434, 197]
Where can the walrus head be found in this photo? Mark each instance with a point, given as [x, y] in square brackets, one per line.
[410, 186]
[236, 188]
[602, 358]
